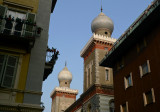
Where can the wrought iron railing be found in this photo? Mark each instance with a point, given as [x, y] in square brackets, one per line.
[51, 58]
[18, 27]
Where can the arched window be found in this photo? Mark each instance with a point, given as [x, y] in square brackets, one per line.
[111, 106]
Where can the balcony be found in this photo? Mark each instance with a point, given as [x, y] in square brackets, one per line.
[18, 33]
[51, 58]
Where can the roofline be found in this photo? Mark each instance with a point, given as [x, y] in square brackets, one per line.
[124, 37]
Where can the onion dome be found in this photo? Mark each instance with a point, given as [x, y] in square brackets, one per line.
[102, 22]
[65, 77]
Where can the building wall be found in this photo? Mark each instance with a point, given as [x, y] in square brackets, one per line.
[102, 70]
[62, 101]
[89, 62]
[31, 5]
[27, 89]
[132, 60]
[98, 102]
[97, 72]
[23, 62]
[38, 54]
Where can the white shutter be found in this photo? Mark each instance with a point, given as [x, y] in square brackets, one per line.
[9, 71]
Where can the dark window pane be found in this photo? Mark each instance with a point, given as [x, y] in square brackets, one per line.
[149, 97]
[7, 81]
[9, 71]
[12, 61]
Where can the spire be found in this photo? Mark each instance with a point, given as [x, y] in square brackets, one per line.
[101, 6]
[65, 63]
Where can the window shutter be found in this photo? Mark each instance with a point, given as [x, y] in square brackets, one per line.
[3, 11]
[121, 110]
[131, 78]
[29, 27]
[140, 70]
[127, 106]
[153, 96]
[144, 99]
[2, 62]
[125, 83]
[149, 69]
[10, 71]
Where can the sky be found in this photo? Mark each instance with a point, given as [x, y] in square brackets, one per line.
[70, 30]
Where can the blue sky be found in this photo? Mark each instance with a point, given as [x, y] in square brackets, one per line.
[70, 30]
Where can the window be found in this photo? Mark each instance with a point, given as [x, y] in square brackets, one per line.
[124, 107]
[128, 81]
[111, 106]
[141, 45]
[8, 67]
[16, 25]
[145, 68]
[148, 97]
[107, 74]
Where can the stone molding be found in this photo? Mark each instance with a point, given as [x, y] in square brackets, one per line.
[64, 90]
[97, 37]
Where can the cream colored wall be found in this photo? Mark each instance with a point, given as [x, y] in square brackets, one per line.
[90, 59]
[61, 103]
[102, 70]
[65, 83]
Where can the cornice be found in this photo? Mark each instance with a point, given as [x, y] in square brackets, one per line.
[98, 38]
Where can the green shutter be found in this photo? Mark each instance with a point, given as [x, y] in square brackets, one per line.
[3, 11]
[2, 63]
[29, 27]
[9, 71]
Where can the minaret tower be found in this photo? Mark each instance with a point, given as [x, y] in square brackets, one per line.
[94, 51]
[63, 96]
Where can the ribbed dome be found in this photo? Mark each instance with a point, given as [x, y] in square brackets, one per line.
[65, 75]
[102, 22]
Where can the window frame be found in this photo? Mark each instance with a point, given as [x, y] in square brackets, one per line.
[126, 105]
[4, 67]
[111, 107]
[107, 76]
[147, 63]
[126, 81]
[145, 95]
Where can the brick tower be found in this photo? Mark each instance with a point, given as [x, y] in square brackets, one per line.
[63, 96]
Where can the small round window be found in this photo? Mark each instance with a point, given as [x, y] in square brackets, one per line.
[106, 33]
[65, 82]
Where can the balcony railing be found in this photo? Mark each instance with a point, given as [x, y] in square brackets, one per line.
[18, 27]
[51, 58]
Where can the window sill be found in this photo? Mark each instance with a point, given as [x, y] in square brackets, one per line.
[129, 87]
[149, 104]
[145, 74]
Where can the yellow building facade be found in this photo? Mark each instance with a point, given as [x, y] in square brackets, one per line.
[22, 42]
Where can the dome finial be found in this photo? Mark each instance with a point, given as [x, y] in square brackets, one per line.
[101, 6]
[65, 63]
